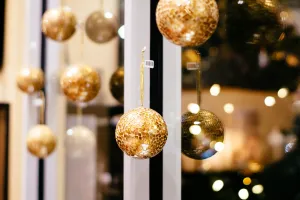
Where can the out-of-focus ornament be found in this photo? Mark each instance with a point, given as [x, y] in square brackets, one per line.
[80, 141]
[30, 80]
[117, 84]
[101, 27]
[80, 83]
[189, 56]
[200, 133]
[41, 142]
[141, 132]
[59, 24]
[187, 23]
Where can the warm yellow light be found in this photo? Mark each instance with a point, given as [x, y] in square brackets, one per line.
[270, 101]
[215, 90]
[218, 185]
[257, 189]
[194, 108]
[229, 108]
[219, 146]
[247, 181]
[283, 92]
[108, 15]
[243, 194]
[195, 129]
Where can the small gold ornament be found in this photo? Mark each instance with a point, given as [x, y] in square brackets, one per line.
[187, 23]
[80, 83]
[141, 133]
[101, 27]
[117, 84]
[200, 133]
[59, 24]
[30, 80]
[41, 142]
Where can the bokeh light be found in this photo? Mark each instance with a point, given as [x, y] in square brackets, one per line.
[243, 194]
[229, 108]
[193, 108]
[219, 146]
[247, 181]
[121, 32]
[195, 129]
[270, 101]
[283, 92]
[257, 189]
[215, 90]
[218, 185]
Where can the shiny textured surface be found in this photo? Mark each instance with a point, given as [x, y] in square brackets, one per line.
[80, 83]
[199, 134]
[116, 85]
[101, 27]
[141, 133]
[187, 22]
[80, 141]
[30, 80]
[41, 142]
[59, 24]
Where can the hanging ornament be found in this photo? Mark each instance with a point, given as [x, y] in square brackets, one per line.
[41, 142]
[30, 80]
[141, 132]
[202, 132]
[187, 23]
[101, 27]
[80, 83]
[59, 24]
[80, 141]
[116, 84]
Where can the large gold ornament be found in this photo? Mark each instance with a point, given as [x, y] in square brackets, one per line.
[59, 24]
[30, 80]
[41, 142]
[201, 132]
[101, 27]
[117, 84]
[187, 23]
[141, 133]
[80, 83]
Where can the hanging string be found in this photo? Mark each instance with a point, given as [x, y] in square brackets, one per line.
[142, 76]
[42, 107]
[79, 115]
[82, 41]
[198, 79]
[62, 3]
[101, 5]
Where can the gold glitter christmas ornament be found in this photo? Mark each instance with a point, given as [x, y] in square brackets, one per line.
[101, 27]
[202, 134]
[187, 23]
[117, 84]
[80, 83]
[141, 133]
[59, 24]
[41, 142]
[30, 80]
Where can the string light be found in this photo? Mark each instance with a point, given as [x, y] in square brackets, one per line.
[229, 108]
[282, 93]
[270, 101]
[193, 108]
[247, 181]
[219, 146]
[243, 194]
[257, 189]
[218, 185]
[215, 90]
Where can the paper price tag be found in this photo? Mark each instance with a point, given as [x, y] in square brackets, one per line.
[149, 64]
[193, 65]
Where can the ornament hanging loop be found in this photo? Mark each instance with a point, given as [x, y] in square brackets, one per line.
[142, 76]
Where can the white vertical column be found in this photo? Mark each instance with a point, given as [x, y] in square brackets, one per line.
[137, 35]
[172, 116]
[31, 58]
[55, 119]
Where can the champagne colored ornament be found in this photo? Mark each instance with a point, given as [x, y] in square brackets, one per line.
[187, 23]
[30, 80]
[141, 133]
[117, 85]
[101, 27]
[202, 131]
[59, 24]
[41, 142]
[80, 83]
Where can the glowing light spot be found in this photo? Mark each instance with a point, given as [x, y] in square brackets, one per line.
[195, 129]
[108, 15]
[243, 194]
[193, 108]
[270, 101]
[257, 189]
[229, 108]
[283, 92]
[215, 90]
[247, 181]
[218, 185]
[121, 32]
[219, 146]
